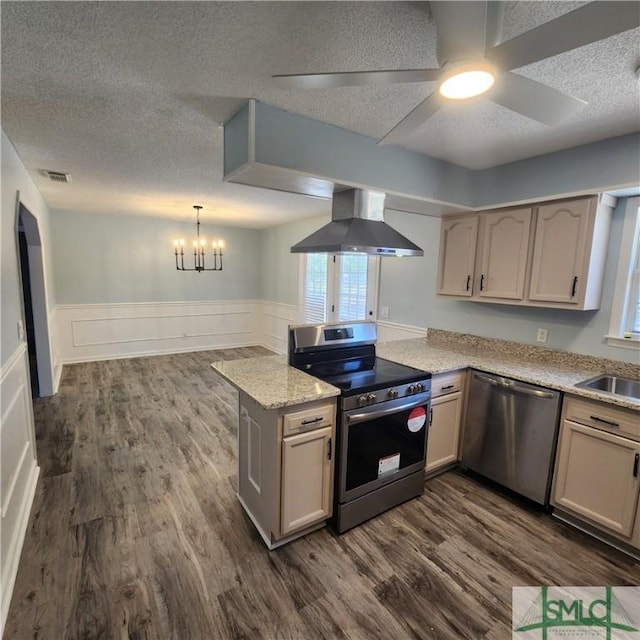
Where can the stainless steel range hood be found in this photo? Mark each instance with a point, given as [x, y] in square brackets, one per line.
[357, 226]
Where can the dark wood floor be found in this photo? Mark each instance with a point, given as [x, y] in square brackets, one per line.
[136, 532]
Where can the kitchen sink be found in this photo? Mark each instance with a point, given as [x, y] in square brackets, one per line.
[613, 384]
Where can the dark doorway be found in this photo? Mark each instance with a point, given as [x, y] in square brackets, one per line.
[25, 275]
[35, 327]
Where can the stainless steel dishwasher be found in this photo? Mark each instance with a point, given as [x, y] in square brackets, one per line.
[510, 434]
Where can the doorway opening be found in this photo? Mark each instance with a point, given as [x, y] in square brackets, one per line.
[29, 326]
[35, 327]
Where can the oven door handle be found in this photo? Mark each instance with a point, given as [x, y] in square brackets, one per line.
[374, 413]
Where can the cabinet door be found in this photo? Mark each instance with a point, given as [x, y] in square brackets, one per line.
[595, 477]
[444, 430]
[306, 479]
[503, 248]
[558, 270]
[457, 255]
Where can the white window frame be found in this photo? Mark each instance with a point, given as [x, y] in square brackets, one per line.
[626, 278]
[333, 275]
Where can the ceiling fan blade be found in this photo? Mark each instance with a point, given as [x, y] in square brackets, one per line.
[355, 78]
[589, 23]
[461, 28]
[532, 99]
[414, 119]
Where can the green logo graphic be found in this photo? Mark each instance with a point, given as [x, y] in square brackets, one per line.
[601, 614]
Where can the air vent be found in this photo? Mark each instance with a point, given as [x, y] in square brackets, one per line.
[57, 176]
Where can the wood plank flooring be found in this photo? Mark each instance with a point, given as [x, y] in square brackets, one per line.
[136, 532]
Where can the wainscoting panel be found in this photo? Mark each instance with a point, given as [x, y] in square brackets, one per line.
[105, 331]
[19, 471]
[389, 331]
[274, 319]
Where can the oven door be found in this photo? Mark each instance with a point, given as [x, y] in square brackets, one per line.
[381, 444]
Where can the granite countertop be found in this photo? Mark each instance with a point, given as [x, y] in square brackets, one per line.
[272, 383]
[438, 358]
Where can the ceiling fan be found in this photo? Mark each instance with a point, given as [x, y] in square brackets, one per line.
[473, 60]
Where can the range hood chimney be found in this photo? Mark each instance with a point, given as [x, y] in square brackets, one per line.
[357, 226]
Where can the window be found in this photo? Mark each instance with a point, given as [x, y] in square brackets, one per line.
[624, 330]
[338, 288]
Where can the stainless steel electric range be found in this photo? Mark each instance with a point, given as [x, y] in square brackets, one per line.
[381, 422]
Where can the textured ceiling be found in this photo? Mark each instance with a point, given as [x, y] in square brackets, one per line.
[127, 96]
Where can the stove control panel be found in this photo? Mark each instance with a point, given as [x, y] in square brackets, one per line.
[364, 399]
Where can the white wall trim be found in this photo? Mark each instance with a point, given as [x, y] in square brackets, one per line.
[6, 368]
[93, 332]
[10, 572]
[18, 470]
[272, 324]
[153, 305]
[107, 331]
[390, 331]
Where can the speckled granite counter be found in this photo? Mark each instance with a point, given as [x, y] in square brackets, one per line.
[271, 382]
[553, 369]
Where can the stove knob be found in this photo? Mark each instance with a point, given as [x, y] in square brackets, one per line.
[362, 400]
[371, 398]
[411, 389]
[419, 387]
[393, 393]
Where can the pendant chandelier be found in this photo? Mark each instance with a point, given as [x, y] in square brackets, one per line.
[199, 251]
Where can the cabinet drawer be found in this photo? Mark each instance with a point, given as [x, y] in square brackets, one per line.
[308, 419]
[445, 383]
[603, 416]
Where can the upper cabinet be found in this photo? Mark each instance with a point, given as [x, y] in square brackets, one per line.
[457, 255]
[502, 253]
[546, 255]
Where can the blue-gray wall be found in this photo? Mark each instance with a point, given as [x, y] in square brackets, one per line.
[279, 274]
[15, 178]
[115, 258]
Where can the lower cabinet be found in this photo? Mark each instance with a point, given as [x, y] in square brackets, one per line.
[444, 420]
[306, 479]
[597, 475]
[285, 467]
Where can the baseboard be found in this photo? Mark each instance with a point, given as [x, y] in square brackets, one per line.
[14, 553]
[162, 352]
[57, 377]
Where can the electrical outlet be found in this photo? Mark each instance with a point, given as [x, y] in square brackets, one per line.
[384, 312]
[20, 330]
[542, 335]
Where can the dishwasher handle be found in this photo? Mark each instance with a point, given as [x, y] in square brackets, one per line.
[515, 387]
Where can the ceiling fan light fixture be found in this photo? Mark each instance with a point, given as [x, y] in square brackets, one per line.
[467, 80]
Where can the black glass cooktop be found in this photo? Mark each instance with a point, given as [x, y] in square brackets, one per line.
[366, 374]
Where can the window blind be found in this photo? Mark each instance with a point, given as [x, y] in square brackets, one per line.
[352, 287]
[315, 289]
